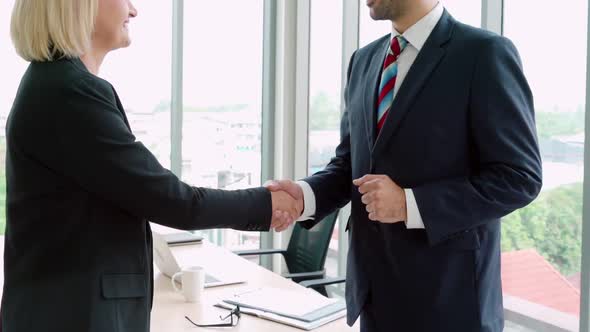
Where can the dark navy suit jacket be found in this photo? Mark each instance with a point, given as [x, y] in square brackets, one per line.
[461, 134]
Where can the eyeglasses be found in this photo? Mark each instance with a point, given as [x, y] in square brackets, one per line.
[235, 312]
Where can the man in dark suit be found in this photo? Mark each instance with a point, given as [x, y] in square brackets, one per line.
[439, 133]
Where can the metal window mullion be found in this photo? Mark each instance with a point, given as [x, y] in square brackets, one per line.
[350, 42]
[268, 110]
[176, 103]
[492, 15]
[284, 100]
[297, 114]
[302, 80]
[585, 286]
[292, 80]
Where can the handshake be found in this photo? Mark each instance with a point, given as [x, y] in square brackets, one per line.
[384, 200]
[287, 203]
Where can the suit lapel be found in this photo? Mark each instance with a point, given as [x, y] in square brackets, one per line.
[370, 89]
[426, 62]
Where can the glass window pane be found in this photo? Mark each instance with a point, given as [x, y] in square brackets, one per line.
[222, 113]
[12, 70]
[369, 29]
[466, 11]
[324, 96]
[141, 75]
[513, 327]
[542, 243]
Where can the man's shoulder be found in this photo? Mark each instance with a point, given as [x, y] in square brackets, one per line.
[372, 47]
[472, 38]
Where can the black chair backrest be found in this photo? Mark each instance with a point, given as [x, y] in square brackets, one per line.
[308, 249]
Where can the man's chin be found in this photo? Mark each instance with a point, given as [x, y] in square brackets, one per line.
[375, 16]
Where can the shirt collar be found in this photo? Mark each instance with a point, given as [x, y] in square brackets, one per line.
[418, 33]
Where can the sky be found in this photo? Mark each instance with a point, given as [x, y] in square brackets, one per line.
[223, 51]
[551, 39]
[222, 55]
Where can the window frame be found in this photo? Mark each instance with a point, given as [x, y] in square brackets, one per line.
[285, 107]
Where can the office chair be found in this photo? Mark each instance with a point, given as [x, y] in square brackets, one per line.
[319, 285]
[306, 253]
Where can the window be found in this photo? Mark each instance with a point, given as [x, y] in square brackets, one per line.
[466, 11]
[141, 76]
[369, 29]
[546, 235]
[324, 95]
[222, 112]
[13, 67]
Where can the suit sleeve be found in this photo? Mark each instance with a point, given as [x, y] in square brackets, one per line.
[101, 155]
[332, 185]
[505, 155]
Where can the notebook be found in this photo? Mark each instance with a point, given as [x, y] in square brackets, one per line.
[303, 306]
[182, 238]
[308, 326]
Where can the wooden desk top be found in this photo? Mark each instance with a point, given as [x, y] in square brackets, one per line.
[170, 308]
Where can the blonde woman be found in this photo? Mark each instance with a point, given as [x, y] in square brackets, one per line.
[80, 188]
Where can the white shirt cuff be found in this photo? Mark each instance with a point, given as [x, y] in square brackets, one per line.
[414, 218]
[308, 201]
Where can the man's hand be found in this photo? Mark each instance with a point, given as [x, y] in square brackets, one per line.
[385, 201]
[284, 211]
[292, 189]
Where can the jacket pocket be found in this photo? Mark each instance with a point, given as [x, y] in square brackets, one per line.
[122, 286]
[126, 302]
[467, 240]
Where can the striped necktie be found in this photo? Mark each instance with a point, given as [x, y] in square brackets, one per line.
[388, 78]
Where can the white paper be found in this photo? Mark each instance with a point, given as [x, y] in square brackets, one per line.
[292, 303]
[287, 321]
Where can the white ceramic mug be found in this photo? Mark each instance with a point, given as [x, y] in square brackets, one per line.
[193, 283]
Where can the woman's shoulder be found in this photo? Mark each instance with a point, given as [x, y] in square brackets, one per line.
[62, 89]
[67, 76]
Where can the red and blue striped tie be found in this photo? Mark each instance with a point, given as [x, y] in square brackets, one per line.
[388, 78]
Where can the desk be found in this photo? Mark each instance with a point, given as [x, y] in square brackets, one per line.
[169, 307]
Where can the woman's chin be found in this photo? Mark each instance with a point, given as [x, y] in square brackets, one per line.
[125, 39]
[125, 42]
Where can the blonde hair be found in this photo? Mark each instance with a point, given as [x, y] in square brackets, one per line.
[44, 29]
